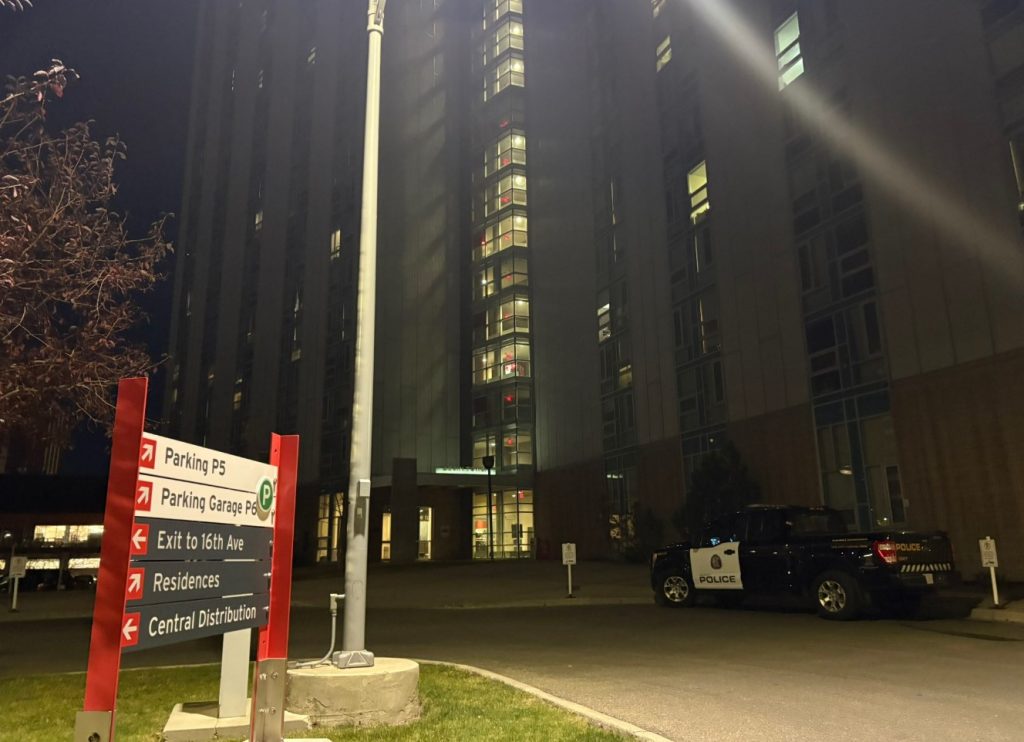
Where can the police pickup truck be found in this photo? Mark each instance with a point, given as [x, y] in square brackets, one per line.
[801, 551]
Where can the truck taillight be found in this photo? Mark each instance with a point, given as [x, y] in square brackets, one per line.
[886, 551]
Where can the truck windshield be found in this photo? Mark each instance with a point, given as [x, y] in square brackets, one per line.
[815, 522]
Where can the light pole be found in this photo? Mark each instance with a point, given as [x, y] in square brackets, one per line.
[353, 639]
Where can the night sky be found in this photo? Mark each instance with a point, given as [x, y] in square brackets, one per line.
[135, 62]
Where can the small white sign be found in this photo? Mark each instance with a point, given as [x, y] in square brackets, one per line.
[568, 554]
[989, 557]
[19, 565]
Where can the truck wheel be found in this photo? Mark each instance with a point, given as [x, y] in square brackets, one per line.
[837, 596]
[674, 589]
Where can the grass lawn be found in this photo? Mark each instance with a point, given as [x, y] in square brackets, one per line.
[456, 706]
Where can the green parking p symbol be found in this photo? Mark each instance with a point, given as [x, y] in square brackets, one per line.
[265, 497]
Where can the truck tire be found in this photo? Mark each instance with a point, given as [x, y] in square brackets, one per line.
[674, 589]
[837, 595]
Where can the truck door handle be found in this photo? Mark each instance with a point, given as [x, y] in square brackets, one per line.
[730, 552]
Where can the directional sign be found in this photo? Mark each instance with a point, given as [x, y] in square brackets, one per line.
[177, 499]
[169, 582]
[166, 457]
[168, 623]
[180, 539]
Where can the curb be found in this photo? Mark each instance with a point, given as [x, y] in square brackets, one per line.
[595, 717]
[997, 615]
[562, 602]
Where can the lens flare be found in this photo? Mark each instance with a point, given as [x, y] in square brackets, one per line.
[898, 178]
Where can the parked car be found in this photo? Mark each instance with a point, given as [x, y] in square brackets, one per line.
[802, 551]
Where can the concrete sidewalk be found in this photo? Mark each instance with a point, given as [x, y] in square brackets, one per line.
[1007, 612]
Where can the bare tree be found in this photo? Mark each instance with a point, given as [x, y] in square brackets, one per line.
[69, 273]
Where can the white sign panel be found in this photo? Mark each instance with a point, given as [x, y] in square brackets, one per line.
[174, 499]
[166, 457]
[180, 481]
[989, 557]
[19, 565]
[568, 554]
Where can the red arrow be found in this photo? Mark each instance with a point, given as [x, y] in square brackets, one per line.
[143, 496]
[130, 630]
[147, 455]
[136, 577]
[140, 539]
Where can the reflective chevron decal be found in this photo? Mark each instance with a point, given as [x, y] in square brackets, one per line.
[936, 567]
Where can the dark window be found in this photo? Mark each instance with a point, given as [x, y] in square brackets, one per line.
[766, 526]
[874, 336]
[821, 335]
[719, 531]
[817, 522]
[851, 234]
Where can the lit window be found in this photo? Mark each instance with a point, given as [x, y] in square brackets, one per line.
[516, 448]
[335, 244]
[664, 53]
[311, 55]
[514, 272]
[510, 361]
[787, 51]
[509, 71]
[511, 231]
[84, 563]
[697, 185]
[236, 401]
[509, 35]
[485, 285]
[258, 220]
[509, 150]
[604, 318]
[63, 534]
[504, 7]
[508, 191]
[657, 6]
[512, 315]
[385, 537]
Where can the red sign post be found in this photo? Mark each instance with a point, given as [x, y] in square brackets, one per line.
[124, 608]
[266, 722]
[108, 611]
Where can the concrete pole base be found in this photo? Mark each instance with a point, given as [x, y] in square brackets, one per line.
[196, 722]
[385, 694]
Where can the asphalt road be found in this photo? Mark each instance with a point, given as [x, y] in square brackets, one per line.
[694, 674]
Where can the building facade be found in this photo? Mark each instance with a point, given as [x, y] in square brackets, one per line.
[613, 237]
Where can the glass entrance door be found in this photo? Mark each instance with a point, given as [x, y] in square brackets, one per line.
[426, 528]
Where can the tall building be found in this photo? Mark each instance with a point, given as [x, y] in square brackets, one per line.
[613, 237]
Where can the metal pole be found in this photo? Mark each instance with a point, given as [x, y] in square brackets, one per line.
[995, 588]
[353, 638]
[14, 596]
